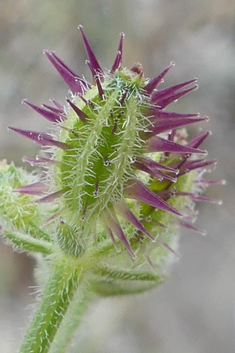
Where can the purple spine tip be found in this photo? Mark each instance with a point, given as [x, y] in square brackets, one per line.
[155, 165]
[157, 80]
[191, 227]
[51, 197]
[165, 96]
[126, 213]
[195, 164]
[198, 140]
[138, 191]
[49, 115]
[75, 82]
[118, 60]
[100, 89]
[37, 189]
[57, 104]
[163, 124]
[113, 223]
[78, 111]
[157, 144]
[95, 66]
[40, 138]
[199, 198]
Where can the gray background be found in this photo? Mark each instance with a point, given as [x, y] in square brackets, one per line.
[194, 311]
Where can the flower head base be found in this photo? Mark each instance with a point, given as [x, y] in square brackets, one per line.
[119, 167]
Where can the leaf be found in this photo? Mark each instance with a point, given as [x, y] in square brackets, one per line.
[26, 242]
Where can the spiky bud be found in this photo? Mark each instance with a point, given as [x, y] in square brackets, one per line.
[120, 170]
[16, 209]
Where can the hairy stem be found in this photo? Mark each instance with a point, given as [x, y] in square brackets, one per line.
[72, 319]
[65, 277]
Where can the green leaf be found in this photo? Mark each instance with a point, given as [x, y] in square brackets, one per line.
[37, 232]
[118, 282]
[26, 242]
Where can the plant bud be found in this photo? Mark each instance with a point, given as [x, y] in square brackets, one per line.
[121, 172]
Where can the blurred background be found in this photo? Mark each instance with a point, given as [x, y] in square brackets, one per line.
[194, 311]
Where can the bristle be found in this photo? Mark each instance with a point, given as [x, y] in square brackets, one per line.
[37, 189]
[157, 143]
[162, 103]
[53, 109]
[166, 124]
[198, 140]
[190, 226]
[95, 66]
[126, 213]
[52, 116]
[100, 89]
[195, 164]
[118, 60]
[78, 111]
[155, 165]
[200, 198]
[51, 197]
[40, 138]
[138, 191]
[113, 223]
[154, 172]
[166, 92]
[57, 104]
[75, 83]
[122, 100]
[157, 80]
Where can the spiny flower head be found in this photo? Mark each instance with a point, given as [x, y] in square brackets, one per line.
[119, 166]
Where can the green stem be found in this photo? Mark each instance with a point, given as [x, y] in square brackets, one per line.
[66, 274]
[72, 319]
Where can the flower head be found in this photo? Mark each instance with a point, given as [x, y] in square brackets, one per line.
[120, 167]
